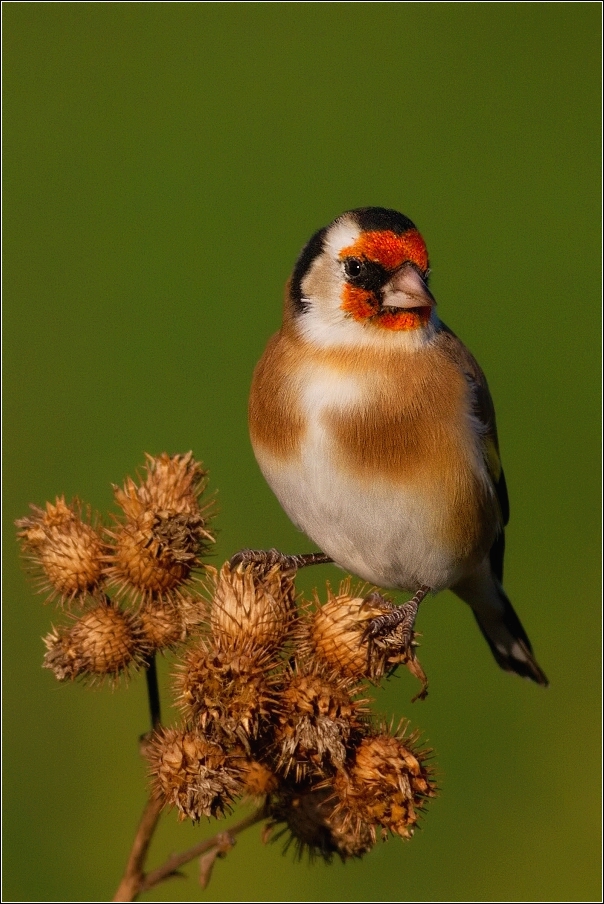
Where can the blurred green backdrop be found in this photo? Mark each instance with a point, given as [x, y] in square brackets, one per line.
[163, 166]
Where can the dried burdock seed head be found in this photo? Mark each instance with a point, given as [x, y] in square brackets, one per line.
[335, 634]
[155, 555]
[258, 779]
[163, 625]
[167, 621]
[250, 607]
[191, 773]
[173, 484]
[350, 837]
[64, 547]
[165, 531]
[101, 643]
[387, 783]
[315, 721]
[194, 609]
[304, 812]
[226, 693]
[314, 824]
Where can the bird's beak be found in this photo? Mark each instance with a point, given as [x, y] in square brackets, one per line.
[407, 289]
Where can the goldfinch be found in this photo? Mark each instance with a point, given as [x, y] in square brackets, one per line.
[374, 427]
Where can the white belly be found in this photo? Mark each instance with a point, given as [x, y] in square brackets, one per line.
[383, 533]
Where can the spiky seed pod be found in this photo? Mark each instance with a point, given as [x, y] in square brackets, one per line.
[167, 622]
[163, 625]
[65, 546]
[165, 531]
[101, 643]
[258, 779]
[173, 484]
[194, 609]
[350, 838]
[191, 773]
[226, 693]
[304, 811]
[155, 555]
[316, 719]
[387, 784]
[335, 634]
[314, 824]
[250, 607]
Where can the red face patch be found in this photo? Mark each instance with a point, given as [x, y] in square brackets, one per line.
[391, 251]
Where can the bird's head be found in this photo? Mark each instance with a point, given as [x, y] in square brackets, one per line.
[363, 280]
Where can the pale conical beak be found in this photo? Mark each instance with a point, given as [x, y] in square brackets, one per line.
[407, 289]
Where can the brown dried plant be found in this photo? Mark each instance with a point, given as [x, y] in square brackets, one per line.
[271, 689]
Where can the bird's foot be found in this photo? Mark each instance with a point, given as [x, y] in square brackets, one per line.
[399, 619]
[393, 631]
[268, 558]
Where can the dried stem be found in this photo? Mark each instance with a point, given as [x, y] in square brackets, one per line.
[135, 882]
[222, 840]
[130, 886]
[153, 693]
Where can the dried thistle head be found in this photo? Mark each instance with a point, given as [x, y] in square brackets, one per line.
[258, 779]
[173, 483]
[192, 773]
[350, 837]
[314, 825]
[64, 547]
[336, 636]
[316, 718]
[159, 543]
[387, 783]
[163, 625]
[226, 693]
[168, 621]
[102, 643]
[155, 556]
[252, 607]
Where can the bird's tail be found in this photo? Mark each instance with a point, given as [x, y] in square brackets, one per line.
[499, 624]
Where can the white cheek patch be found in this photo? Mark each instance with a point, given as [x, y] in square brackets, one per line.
[332, 328]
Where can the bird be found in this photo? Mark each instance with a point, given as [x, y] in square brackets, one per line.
[374, 426]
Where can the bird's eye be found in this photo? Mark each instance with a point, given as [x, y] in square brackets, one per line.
[352, 267]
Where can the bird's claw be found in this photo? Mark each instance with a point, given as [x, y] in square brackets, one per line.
[268, 558]
[396, 624]
[392, 631]
[264, 557]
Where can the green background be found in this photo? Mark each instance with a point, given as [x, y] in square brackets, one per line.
[164, 164]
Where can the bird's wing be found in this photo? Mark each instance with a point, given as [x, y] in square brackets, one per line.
[484, 411]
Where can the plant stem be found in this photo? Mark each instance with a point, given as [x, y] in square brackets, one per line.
[135, 882]
[153, 692]
[129, 887]
[170, 867]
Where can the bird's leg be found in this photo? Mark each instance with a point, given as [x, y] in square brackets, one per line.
[401, 618]
[266, 558]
